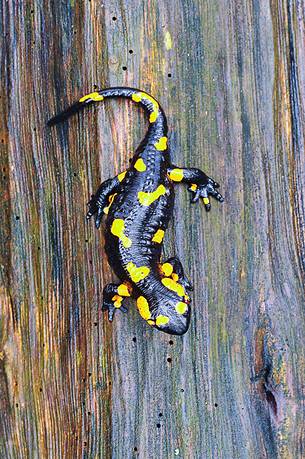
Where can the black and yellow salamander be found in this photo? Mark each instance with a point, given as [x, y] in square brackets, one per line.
[138, 204]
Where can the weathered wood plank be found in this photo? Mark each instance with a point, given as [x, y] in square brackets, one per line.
[230, 76]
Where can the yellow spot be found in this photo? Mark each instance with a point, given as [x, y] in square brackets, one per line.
[121, 176]
[92, 96]
[158, 236]
[123, 290]
[137, 273]
[181, 307]
[148, 198]
[176, 175]
[172, 285]
[168, 41]
[117, 301]
[167, 269]
[161, 145]
[140, 165]
[110, 199]
[206, 200]
[117, 229]
[136, 97]
[151, 322]
[175, 277]
[162, 320]
[153, 116]
[142, 305]
[193, 187]
[143, 95]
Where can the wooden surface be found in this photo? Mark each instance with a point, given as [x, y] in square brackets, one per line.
[230, 75]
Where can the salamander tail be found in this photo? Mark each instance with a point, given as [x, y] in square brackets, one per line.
[79, 105]
[145, 100]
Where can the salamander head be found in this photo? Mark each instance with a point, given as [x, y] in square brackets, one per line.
[173, 316]
[169, 313]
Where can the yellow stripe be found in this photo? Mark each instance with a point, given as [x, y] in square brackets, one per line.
[172, 285]
[146, 199]
[92, 96]
[117, 229]
[143, 307]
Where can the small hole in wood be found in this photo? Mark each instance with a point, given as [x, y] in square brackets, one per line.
[135, 449]
[17, 217]
[40, 389]
[169, 359]
[158, 426]
[17, 405]
[95, 324]
[75, 174]
[89, 374]
[124, 68]
[134, 339]
[38, 248]
[130, 51]
[169, 75]
[216, 405]
[171, 342]
[182, 390]
[85, 443]
[160, 415]
[114, 18]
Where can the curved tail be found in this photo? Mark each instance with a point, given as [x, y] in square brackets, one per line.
[151, 105]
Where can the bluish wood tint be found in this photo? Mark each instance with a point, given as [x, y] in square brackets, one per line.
[71, 384]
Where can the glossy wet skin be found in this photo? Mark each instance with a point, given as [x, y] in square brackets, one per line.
[139, 204]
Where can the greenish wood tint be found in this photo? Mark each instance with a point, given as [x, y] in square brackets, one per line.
[230, 75]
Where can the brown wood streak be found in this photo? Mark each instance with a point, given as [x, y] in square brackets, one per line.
[71, 384]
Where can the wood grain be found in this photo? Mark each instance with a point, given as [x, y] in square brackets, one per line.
[230, 75]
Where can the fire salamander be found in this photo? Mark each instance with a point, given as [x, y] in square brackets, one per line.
[138, 204]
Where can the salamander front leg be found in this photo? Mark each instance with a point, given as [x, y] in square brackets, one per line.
[101, 201]
[199, 183]
[173, 268]
[113, 297]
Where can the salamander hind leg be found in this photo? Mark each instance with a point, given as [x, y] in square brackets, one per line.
[173, 268]
[200, 185]
[113, 297]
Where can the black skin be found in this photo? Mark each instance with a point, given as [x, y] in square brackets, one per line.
[165, 294]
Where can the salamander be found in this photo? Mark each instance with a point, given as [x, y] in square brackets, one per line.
[138, 204]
